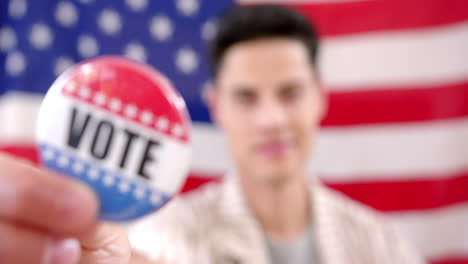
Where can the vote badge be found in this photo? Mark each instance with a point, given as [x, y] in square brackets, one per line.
[120, 127]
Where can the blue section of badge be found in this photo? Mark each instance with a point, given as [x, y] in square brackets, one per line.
[121, 198]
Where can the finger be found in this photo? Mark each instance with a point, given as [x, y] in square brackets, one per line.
[25, 245]
[43, 199]
[63, 251]
[19, 245]
[107, 243]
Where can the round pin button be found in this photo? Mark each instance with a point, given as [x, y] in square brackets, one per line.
[119, 126]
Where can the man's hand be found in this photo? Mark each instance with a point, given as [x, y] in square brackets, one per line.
[47, 218]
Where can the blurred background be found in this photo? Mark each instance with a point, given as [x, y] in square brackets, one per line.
[395, 137]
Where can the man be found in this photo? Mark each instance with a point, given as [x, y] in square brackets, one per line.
[268, 99]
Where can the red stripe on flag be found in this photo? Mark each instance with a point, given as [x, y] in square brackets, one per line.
[463, 260]
[196, 180]
[27, 152]
[395, 105]
[364, 16]
[408, 195]
[386, 195]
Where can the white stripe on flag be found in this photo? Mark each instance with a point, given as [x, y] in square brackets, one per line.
[210, 153]
[431, 56]
[18, 113]
[392, 151]
[387, 152]
[437, 233]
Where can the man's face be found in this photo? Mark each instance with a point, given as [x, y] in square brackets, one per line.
[268, 101]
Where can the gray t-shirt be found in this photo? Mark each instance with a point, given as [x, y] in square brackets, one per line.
[302, 250]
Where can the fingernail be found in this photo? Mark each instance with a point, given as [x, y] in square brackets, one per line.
[63, 251]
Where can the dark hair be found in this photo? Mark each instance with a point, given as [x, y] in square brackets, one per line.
[246, 23]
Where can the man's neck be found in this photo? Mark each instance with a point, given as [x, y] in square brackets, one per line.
[281, 208]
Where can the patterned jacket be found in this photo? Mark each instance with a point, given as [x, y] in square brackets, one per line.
[214, 225]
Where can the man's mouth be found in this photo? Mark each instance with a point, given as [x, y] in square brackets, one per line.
[275, 149]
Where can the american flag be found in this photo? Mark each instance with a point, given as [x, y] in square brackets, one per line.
[395, 137]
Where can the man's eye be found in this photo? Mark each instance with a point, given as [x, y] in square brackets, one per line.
[291, 94]
[245, 98]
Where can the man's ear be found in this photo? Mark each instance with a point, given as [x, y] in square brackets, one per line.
[324, 98]
[210, 96]
[323, 95]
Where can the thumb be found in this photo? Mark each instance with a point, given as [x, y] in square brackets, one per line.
[105, 244]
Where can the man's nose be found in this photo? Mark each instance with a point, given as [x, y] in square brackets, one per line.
[271, 115]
